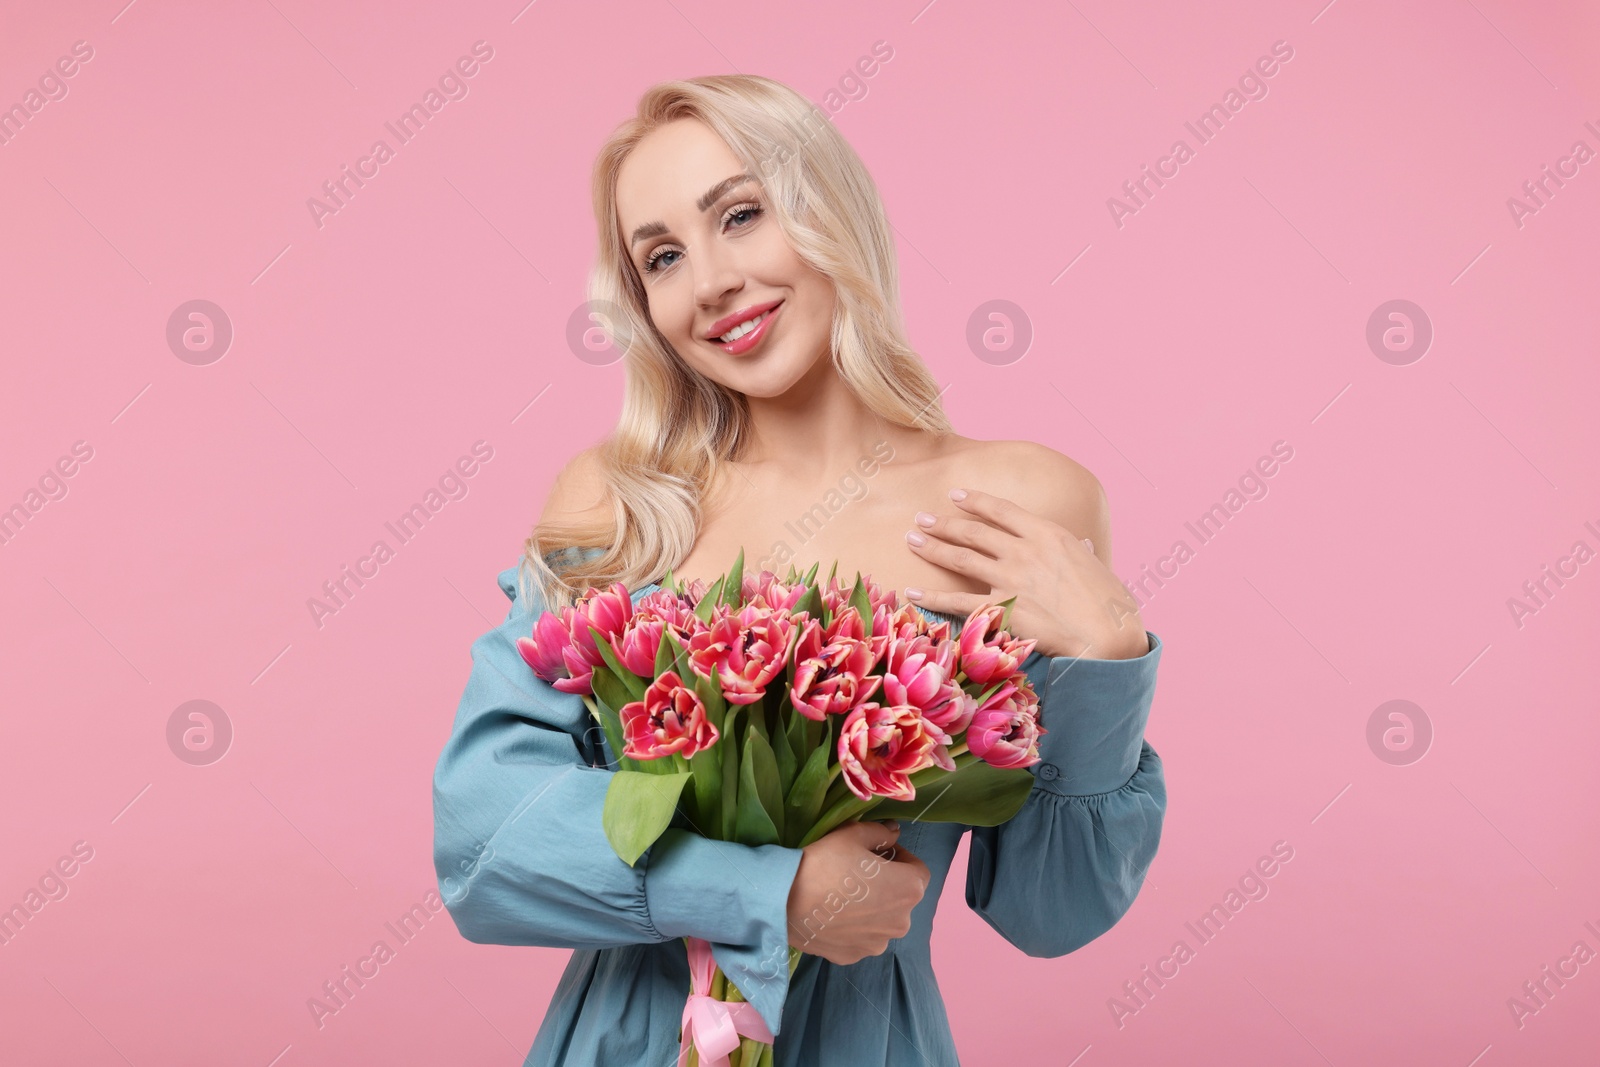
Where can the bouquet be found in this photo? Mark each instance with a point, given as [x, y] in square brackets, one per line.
[772, 710]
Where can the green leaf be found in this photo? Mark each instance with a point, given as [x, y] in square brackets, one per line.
[733, 588]
[730, 775]
[638, 808]
[788, 762]
[798, 733]
[666, 656]
[612, 727]
[1005, 616]
[709, 602]
[634, 684]
[810, 603]
[805, 797]
[707, 767]
[862, 603]
[760, 808]
[975, 794]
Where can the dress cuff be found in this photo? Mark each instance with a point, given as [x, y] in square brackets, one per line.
[1095, 712]
[734, 896]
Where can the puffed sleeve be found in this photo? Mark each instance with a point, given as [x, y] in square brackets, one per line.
[1067, 866]
[521, 856]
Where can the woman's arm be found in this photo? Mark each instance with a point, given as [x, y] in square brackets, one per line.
[1067, 866]
[522, 858]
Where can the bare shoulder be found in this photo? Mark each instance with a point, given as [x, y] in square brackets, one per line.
[579, 496]
[1040, 479]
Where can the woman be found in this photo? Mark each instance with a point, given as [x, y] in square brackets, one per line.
[773, 404]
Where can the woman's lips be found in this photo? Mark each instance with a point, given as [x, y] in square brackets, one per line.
[744, 344]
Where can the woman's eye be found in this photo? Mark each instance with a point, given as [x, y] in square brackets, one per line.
[653, 261]
[655, 257]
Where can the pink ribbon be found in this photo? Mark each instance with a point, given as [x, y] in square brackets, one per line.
[714, 1026]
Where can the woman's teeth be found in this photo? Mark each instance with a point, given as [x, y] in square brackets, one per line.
[743, 328]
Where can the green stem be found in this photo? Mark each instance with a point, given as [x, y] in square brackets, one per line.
[840, 813]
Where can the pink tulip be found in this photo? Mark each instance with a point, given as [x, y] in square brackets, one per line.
[607, 611]
[920, 672]
[636, 646]
[743, 650]
[769, 591]
[880, 747]
[670, 719]
[1005, 729]
[830, 678]
[989, 653]
[542, 651]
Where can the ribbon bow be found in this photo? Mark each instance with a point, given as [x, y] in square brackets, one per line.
[714, 1026]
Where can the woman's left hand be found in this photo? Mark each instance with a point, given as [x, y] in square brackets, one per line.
[1066, 599]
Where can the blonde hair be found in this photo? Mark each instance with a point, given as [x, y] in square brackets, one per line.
[677, 426]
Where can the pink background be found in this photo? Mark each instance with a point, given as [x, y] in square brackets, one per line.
[1230, 312]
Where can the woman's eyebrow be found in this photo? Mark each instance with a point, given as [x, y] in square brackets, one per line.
[655, 229]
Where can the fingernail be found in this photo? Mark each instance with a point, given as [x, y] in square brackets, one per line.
[913, 593]
[915, 538]
[1088, 544]
[925, 519]
[958, 494]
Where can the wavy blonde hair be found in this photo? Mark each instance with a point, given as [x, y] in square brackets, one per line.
[677, 426]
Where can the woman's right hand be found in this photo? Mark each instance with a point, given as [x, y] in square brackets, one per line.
[854, 891]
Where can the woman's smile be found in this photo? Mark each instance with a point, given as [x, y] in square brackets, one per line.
[748, 334]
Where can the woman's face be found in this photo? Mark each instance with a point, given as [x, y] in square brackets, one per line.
[711, 255]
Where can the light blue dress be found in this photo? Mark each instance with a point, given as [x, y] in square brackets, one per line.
[522, 860]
